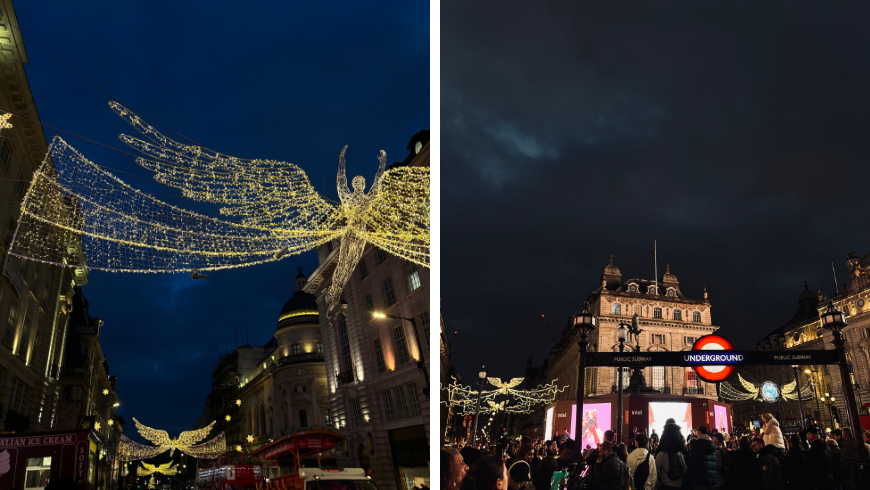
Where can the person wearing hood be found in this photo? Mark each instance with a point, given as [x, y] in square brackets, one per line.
[772, 435]
[702, 462]
[670, 463]
[672, 438]
[768, 458]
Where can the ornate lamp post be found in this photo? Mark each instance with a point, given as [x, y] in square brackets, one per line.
[482, 376]
[834, 320]
[584, 322]
[797, 380]
[621, 336]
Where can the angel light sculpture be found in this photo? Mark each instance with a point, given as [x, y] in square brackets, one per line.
[187, 442]
[150, 469]
[76, 213]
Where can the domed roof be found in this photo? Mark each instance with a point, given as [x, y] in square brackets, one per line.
[668, 276]
[612, 270]
[807, 294]
[301, 304]
[865, 261]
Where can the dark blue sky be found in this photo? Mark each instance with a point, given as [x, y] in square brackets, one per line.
[290, 81]
[735, 133]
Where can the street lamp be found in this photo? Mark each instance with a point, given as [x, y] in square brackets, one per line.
[816, 392]
[621, 336]
[482, 376]
[797, 380]
[584, 322]
[421, 364]
[834, 320]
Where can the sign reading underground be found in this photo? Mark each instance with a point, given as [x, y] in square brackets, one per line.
[713, 358]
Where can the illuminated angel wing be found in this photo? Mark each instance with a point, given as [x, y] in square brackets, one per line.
[399, 215]
[146, 469]
[189, 438]
[167, 468]
[77, 214]
[210, 449]
[750, 387]
[130, 450]
[157, 437]
[789, 388]
[262, 192]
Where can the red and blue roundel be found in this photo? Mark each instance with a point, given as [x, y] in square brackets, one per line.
[713, 374]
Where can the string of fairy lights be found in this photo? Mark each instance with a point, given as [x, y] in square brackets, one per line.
[464, 398]
[76, 213]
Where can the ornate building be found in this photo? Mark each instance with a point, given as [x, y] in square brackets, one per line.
[670, 322]
[379, 366]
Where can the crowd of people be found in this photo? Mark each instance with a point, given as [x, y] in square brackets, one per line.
[703, 459]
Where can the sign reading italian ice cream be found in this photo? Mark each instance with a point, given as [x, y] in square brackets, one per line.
[41, 457]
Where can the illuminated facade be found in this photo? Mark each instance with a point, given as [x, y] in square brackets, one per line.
[377, 391]
[35, 299]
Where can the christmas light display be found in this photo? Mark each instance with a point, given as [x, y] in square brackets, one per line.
[186, 442]
[754, 391]
[464, 398]
[4, 121]
[150, 469]
[276, 212]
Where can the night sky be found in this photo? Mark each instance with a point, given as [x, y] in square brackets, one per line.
[290, 81]
[734, 133]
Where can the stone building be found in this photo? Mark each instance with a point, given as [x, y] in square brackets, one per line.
[670, 321]
[378, 367]
[35, 298]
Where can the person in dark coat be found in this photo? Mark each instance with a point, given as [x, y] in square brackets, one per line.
[744, 470]
[608, 468]
[702, 462]
[836, 452]
[541, 481]
[819, 459]
[592, 457]
[768, 458]
[672, 438]
[795, 468]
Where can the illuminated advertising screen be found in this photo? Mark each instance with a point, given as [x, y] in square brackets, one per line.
[548, 430]
[596, 420]
[721, 419]
[659, 412]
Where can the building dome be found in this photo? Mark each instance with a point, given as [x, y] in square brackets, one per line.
[807, 294]
[865, 261]
[668, 276]
[612, 270]
[301, 304]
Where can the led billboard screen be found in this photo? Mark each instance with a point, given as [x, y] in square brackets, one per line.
[659, 412]
[596, 420]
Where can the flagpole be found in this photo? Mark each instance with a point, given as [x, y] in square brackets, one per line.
[656, 258]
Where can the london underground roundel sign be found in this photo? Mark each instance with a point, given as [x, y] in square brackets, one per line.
[708, 350]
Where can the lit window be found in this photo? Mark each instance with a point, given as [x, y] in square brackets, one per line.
[401, 346]
[696, 317]
[617, 309]
[413, 278]
[319, 347]
[388, 292]
[657, 313]
[678, 315]
[689, 341]
[638, 310]
[297, 349]
[657, 338]
[691, 378]
[379, 356]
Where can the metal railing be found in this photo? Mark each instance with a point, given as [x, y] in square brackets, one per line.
[345, 377]
[297, 358]
[693, 390]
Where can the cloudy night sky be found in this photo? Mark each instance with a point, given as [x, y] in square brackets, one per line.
[734, 133]
[273, 80]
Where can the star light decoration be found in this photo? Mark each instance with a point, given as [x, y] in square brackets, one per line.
[228, 418]
[753, 391]
[514, 401]
[4, 121]
[150, 469]
[106, 392]
[275, 211]
[238, 403]
[238, 448]
[250, 438]
[186, 443]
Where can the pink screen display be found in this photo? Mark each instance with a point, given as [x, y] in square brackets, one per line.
[596, 420]
[721, 419]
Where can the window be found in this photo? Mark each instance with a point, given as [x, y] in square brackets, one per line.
[34, 352]
[632, 288]
[379, 355]
[37, 472]
[5, 153]
[671, 292]
[638, 310]
[25, 338]
[363, 272]
[382, 256]
[19, 187]
[658, 377]
[696, 316]
[651, 290]
[617, 309]
[11, 320]
[678, 315]
[356, 413]
[387, 398]
[424, 322]
[689, 340]
[626, 373]
[401, 346]
[414, 399]
[370, 305]
[319, 346]
[658, 338]
[413, 278]
[657, 313]
[388, 292]
[691, 378]
[297, 349]
[344, 343]
[18, 396]
[401, 402]
[10, 232]
[303, 418]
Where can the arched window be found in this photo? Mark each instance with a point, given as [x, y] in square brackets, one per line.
[651, 290]
[344, 343]
[617, 309]
[671, 292]
[657, 313]
[696, 317]
[678, 315]
[632, 288]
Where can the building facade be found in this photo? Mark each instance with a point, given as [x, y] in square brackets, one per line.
[378, 368]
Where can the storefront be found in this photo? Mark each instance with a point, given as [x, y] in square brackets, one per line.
[29, 461]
